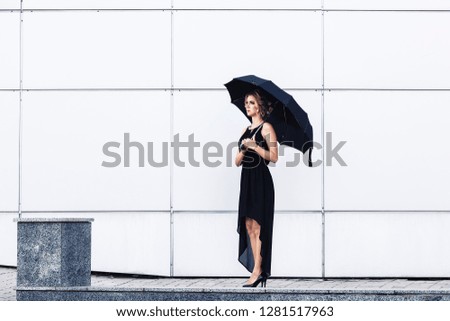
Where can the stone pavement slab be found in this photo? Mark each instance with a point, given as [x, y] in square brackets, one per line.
[7, 284]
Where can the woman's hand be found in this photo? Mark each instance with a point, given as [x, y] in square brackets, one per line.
[249, 143]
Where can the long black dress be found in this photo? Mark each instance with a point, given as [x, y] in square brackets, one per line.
[256, 200]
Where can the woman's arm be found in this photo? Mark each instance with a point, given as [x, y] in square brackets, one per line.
[270, 136]
[240, 155]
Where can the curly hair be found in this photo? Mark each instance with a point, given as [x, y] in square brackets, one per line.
[265, 104]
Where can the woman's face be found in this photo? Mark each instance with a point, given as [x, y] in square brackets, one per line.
[251, 106]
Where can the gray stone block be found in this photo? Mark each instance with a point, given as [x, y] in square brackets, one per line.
[53, 252]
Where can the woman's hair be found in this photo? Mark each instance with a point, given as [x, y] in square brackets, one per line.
[265, 105]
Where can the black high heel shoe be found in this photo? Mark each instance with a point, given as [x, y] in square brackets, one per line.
[261, 279]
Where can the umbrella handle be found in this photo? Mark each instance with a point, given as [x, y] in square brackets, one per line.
[309, 157]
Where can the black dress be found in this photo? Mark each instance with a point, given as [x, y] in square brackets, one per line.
[256, 200]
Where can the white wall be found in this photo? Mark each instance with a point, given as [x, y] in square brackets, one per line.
[63, 137]
[10, 49]
[407, 50]
[110, 49]
[396, 150]
[383, 244]
[90, 74]
[209, 49]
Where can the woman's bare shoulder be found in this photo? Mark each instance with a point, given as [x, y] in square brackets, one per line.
[267, 127]
[268, 130]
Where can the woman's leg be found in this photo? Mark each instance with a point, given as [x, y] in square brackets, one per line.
[254, 230]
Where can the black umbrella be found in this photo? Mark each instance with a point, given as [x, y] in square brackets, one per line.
[290, 121]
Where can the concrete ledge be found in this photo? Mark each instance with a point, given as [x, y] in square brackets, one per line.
[53, 220]
[223, 294]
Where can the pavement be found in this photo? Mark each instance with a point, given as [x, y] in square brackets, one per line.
[7, 284]
[102, 280]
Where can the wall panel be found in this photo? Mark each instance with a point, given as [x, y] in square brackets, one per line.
[206, 244]
[396, 151]
[63, 150]
[8, 239]
[110, 49]
[387, 4]
[9, 155]
[10, 4]
[9, 50]
[361, 52]
[387, 245]
[96, 4]
[297, 186]
[210, 50]
[212, 120]
[297, 245]
[247, 4]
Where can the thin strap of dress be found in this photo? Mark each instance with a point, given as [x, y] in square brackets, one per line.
[259, 127]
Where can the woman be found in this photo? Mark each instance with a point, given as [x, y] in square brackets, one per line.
[257, 147]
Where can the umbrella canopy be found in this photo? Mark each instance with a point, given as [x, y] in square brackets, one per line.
[290, 121]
